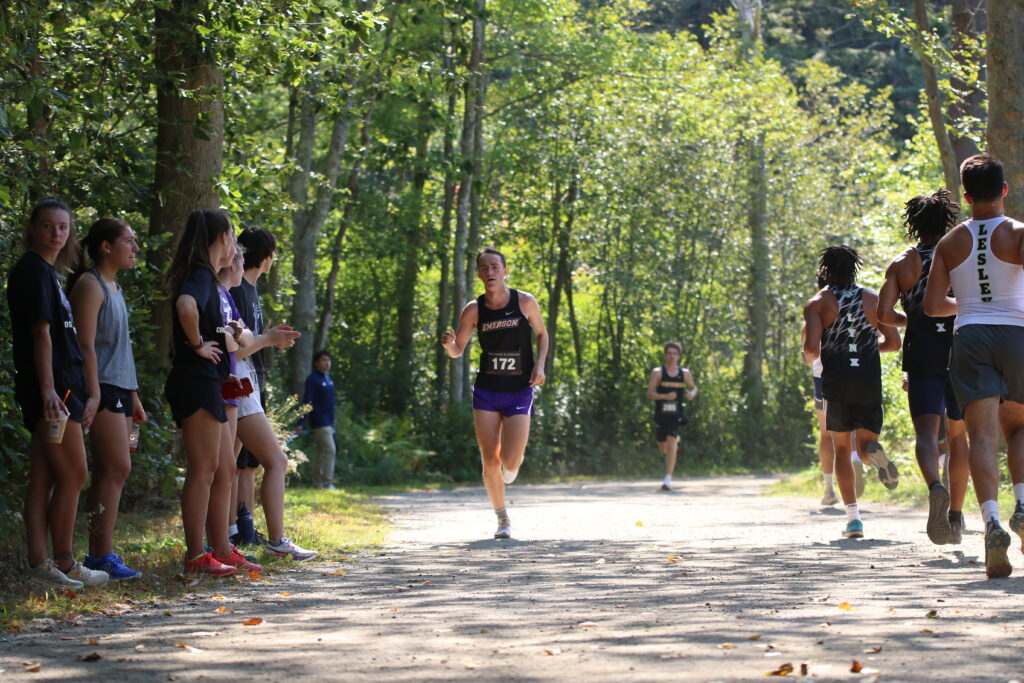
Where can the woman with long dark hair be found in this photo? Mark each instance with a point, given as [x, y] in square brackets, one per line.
[102, 320]
[50, 388]
[199, 368]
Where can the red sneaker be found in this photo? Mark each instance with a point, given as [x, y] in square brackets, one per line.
[236, 559]
[205, 564]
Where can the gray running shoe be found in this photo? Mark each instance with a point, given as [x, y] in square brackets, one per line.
[830, 497]
[938, 528]
[90, 577]
[887, 473]
[504, 529]
[47, 577]
[997, 541]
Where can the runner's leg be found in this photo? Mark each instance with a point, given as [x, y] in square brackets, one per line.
[488, 424]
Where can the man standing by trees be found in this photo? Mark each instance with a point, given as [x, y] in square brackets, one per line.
[665, 388]
[503, 391]
[925, 360]
[842, 328]
[981, 260]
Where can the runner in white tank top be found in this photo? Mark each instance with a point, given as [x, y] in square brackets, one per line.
[982, 261]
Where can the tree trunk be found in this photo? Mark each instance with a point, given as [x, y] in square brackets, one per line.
[1006, 95]
[570, 221]
[189, 136]
[931, 88]
[753, 360]
[444, 289]
[555, 291]
[969, 98]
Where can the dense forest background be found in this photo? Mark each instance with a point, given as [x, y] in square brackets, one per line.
[653, 170]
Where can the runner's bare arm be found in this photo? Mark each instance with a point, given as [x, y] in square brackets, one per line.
[86, 301]
[889, 294]
[688, 378]
[455, 343]
[890, 340]
[812, 331]
[529, 306]
[937, 302]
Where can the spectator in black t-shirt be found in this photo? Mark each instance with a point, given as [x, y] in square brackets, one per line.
[199, 368]
[49, 386]
[260, 247]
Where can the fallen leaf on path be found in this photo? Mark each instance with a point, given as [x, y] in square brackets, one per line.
[552, 651]
[932, 614]
[217, 597]
[68, 638]
[783, 670]
[845, 606]
[340, 572]
[394, 609]
[186, 647]
[873, 650]
[14, 626]
[586, 624]
[727, 646]
[32, 668]
[927, 630]
[121, 660]
[68, 593]
[803, 668]
[485, 630]
[91, 657]
[254, 576]
[92, 641]
[255, 621]
[639, 523]
[220, 610]
[673, 559]
[285, 595]
[168, 613]
[756, 637]
[856, 667]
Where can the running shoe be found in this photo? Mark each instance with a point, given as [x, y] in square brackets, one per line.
[238, 561]
[509, 476]
[89, 577]
[48, 577]
[830, 497]
[1017, 522]
[854, 529]
[206, 564]
[858, 479]
[287, 548]
[997, 540]
[504, 529]
[666, 487]
[887, 473]
[938, 528]
[956, 527]
[113, 565]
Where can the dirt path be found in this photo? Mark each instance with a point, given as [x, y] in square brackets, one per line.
[588, 590]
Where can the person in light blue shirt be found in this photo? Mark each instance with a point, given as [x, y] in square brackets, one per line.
[320, 395]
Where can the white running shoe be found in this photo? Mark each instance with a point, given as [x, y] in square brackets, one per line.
[504, 529]
[89, 577]
[47, 577]
[830, 497]
[508, 476]
[287, 547]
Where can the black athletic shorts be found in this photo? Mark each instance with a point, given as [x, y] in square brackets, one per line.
[852, 404]
[186, 395]
[246, 459]
[31, 402]
[115, 399]
[932, 395]
[665, 427]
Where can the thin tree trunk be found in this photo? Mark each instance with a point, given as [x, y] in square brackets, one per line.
[1006, 95]
[475, 218]
[570, 221]
[444, 291]
[969, 100]
[188, 159]
[555, 291]
[753, 360]
[938, 121]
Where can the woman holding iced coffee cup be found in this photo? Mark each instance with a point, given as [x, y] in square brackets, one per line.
[101, 317]
[51, 390]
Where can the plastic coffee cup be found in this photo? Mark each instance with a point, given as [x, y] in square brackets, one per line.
[55, 428]
[133, 437]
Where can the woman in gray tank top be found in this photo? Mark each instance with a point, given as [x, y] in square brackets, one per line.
[102, 319]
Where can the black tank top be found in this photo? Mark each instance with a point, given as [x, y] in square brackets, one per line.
[928, 340]
[506, 362]
[849, 346]
[668, 384]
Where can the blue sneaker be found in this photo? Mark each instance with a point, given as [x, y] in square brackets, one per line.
[854, 529]
[112, 564]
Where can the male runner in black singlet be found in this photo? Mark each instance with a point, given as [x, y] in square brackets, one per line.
[926, 360]
[981, 261]
[508, 372]
[665, 388]
[842, 328]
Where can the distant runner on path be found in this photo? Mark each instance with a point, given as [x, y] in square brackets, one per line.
[926, 359]
[981, 260]
[666, 388]
[842, 329]
[508, 372]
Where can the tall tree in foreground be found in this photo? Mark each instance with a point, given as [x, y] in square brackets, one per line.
[1006, 94]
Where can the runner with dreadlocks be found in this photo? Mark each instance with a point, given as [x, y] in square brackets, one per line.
[841, 326]
[981, 260]
[926, 359]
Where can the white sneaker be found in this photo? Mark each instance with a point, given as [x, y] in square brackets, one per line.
[48, 577]
[509, 476]
[504, 529]
[830, 497]
[89, 577]
[288, 548]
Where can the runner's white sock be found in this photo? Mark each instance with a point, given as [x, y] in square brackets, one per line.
[989, 511]
[852, 512]
[855, 457]
[1018, 492]
[232, 529]
[943, 459]
[827, 476]
[668, 480]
